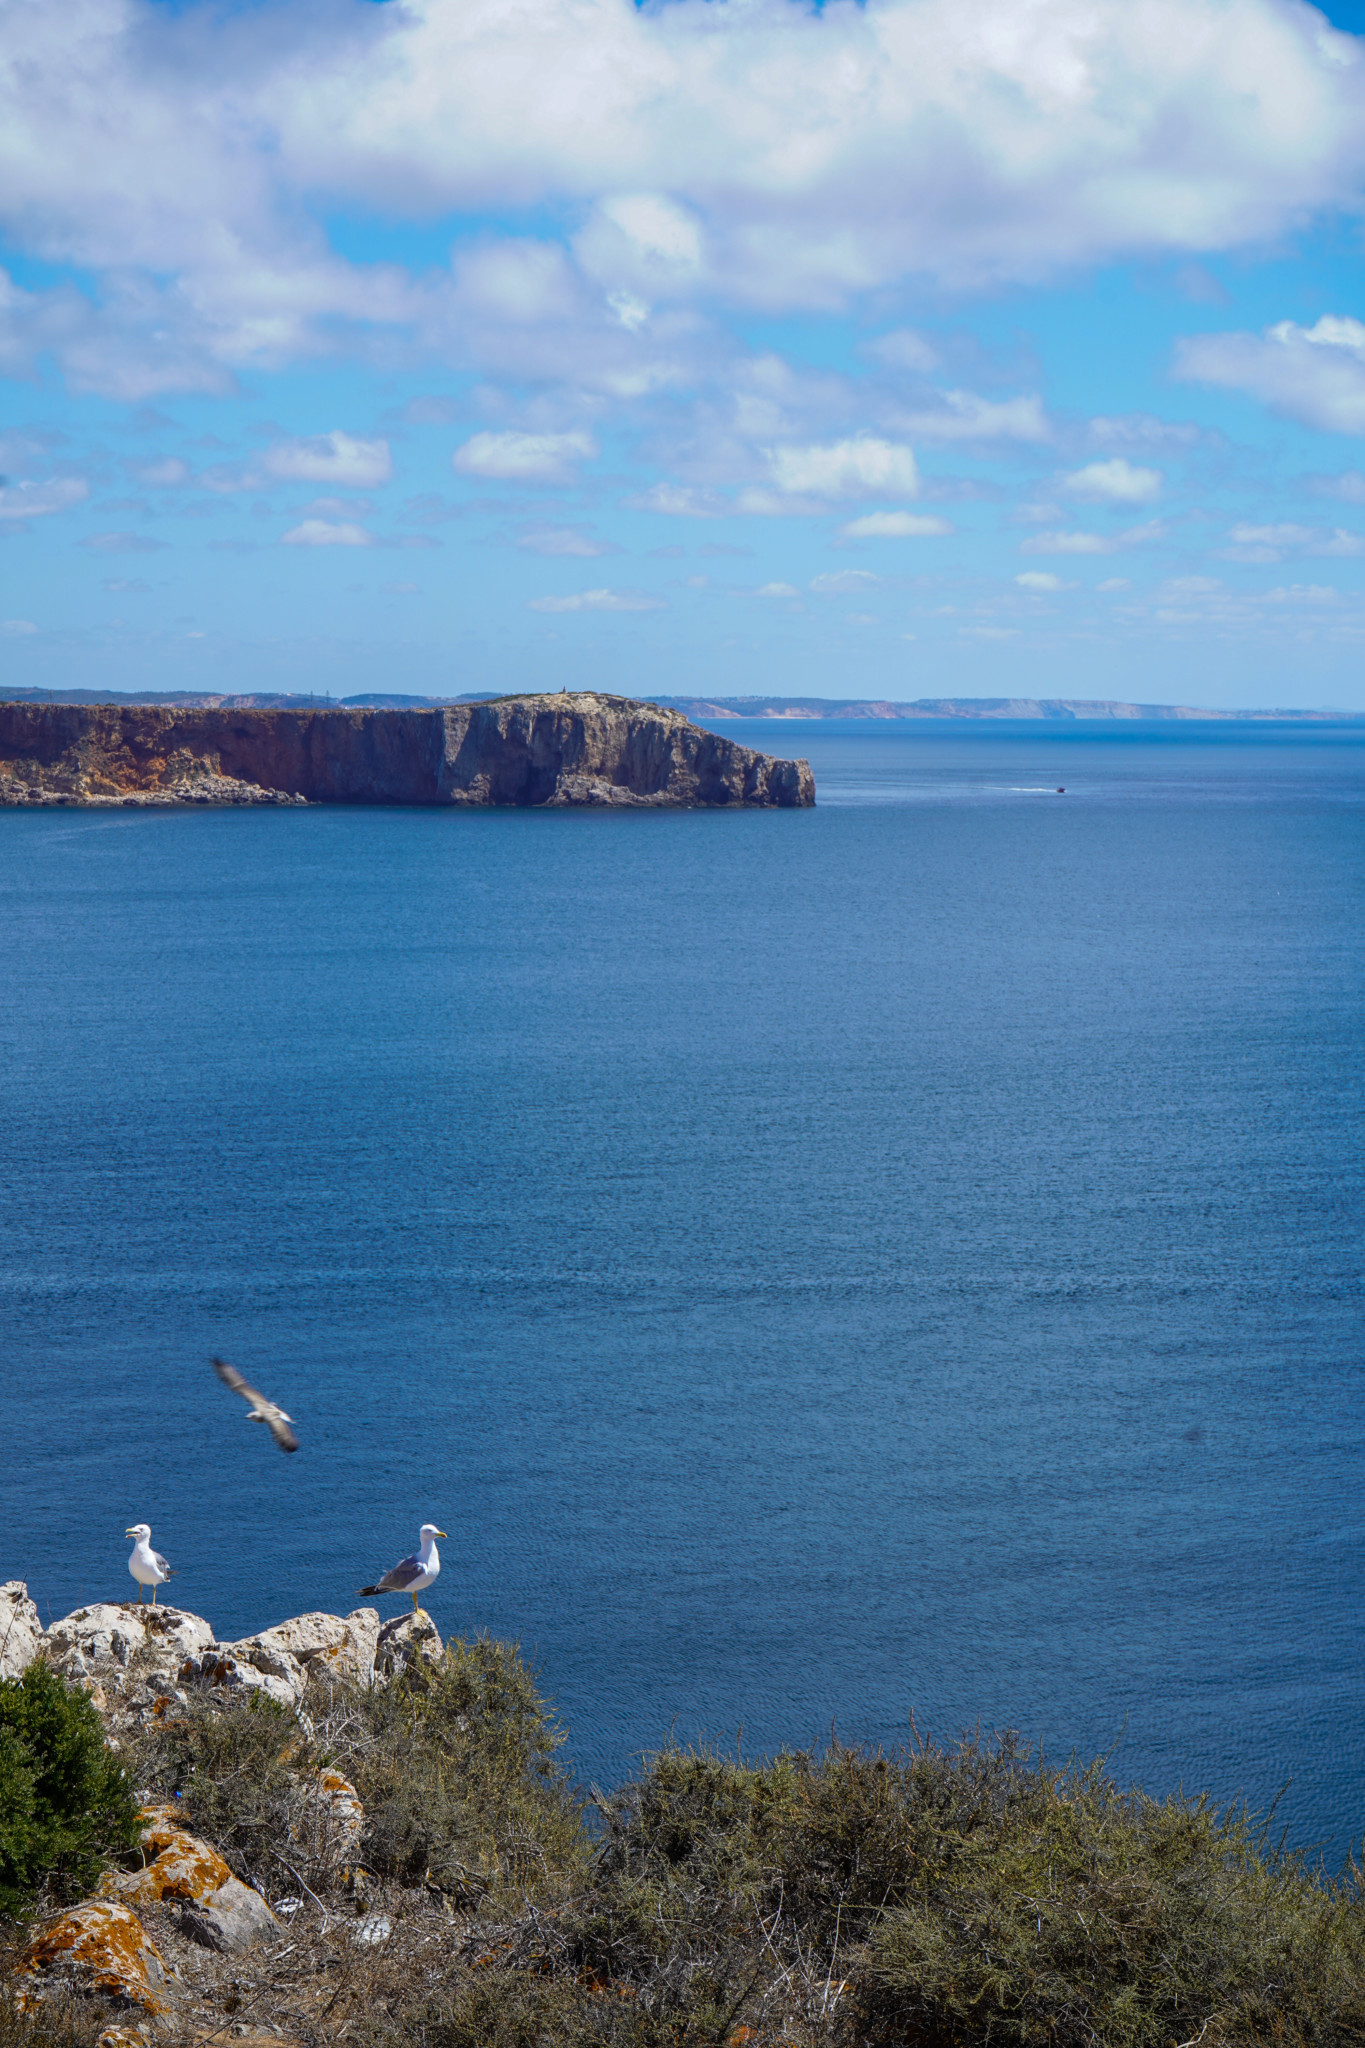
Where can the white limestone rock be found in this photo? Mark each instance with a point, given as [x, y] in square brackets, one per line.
[88, 1642]
[409, 1639]
[21, 1630]
[323, 1645]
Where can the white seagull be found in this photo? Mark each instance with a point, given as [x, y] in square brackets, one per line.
[415, 1573]
[145, 1564]
[259, 1409]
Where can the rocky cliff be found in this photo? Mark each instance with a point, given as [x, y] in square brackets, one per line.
[545, 750]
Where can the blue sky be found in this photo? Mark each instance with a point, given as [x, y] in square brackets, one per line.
[896, 350]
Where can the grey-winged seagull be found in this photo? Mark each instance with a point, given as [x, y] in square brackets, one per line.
[261, 1410]
[415, 1573]
[147, 1566]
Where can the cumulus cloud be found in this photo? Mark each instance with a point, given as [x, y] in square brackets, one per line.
[895, 526]
[765, 154]
[963, 416]
[523, 458]
[777, 590]
[1115, 482]
[123, 543]
[1271, 543]
[334, 458]
[1042, 581]
[1313, 374]
[863, 467]
[18, 628]
[326, 533]
[844, 582]
[35, 500]
[562, 540]
[1062, 543]
[598, 601]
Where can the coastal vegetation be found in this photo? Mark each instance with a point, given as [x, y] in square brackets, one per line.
[944, 1896]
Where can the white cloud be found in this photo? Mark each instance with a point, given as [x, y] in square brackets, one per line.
[905, 350]
[35, 500]
[895, 526]
[1090, 543]
[1251, 543]
[1313, 374]
[523, 458]
[561, 540]
[844, 582]
[963, 416]
[334, 458]
[598, 601]
[777, 590]
[123, 543]
[764, 154]
[1115, 482]
[162, 474]
[682, 501]
[1041, 580]
[18, 628]
[858, 468]
[1141, 430]
[326, 533]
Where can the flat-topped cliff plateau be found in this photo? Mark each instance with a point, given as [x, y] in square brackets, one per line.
[582, 749]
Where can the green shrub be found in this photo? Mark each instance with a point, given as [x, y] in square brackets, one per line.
[65, 1801]
[455, 1763]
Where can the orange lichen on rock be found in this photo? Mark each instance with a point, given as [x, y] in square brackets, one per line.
[179, 1866]
[217, 1908]
[101, 1946]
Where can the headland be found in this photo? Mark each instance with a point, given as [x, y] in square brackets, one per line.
[580, 749]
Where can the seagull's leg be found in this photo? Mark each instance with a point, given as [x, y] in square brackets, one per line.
[154, 1596]
[415, 1608]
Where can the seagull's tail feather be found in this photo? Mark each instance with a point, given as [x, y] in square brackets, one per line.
[367, 1592]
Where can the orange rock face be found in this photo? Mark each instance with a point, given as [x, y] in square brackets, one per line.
[587, 749]
[101, 1946]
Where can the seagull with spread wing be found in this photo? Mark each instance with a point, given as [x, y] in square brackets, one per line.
[415, 1573]
[260, 1410]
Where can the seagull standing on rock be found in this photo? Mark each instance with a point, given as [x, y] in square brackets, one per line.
[145, 1564]
[415, 1573]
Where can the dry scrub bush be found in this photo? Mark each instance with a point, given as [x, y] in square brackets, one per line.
[454, 1763]
[972, 1898]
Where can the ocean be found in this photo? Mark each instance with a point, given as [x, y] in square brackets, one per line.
[819, 1267]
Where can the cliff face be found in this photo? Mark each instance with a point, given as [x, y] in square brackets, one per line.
[584, 749]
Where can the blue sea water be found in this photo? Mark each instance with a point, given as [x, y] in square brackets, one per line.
[818, 1266]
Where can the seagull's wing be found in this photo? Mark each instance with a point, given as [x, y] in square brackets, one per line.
[159, 1561]
[274, 1417]
[278, 1424]
[401, 1578]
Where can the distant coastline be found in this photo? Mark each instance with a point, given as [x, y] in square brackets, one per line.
[1058, 710]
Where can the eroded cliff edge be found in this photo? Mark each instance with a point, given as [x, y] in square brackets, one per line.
[584, 749]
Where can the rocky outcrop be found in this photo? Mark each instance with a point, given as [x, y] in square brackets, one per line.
[135, 1658]
[216, 1909]
[21, 1630]
[102, 1947]
[586, 749]
[108, 1638]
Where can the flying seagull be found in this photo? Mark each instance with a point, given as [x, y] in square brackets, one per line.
[415, 1573]
[145, 1564]
[261, 1410]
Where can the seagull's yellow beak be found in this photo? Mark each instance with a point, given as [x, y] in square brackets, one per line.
[130, 1532]
[442, 1534]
